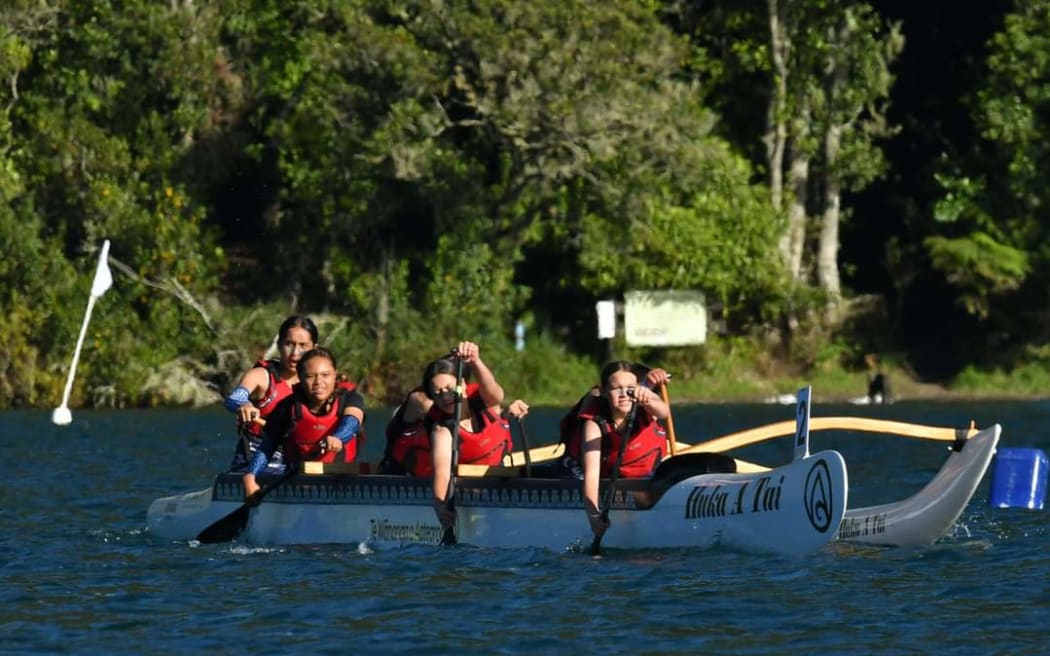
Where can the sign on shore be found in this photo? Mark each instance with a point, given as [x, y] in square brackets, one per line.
[665, 318]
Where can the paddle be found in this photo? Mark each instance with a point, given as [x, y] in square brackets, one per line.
[229, 527]
[449, 536]
[61, 416]
[232, 525]
[525, 446]
[596, 546]
[672, 440]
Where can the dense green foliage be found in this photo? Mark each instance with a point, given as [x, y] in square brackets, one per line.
[413, 173]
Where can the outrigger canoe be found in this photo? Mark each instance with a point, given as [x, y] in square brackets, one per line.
[691, 501]
[930, 513]
[698, 498]
[918, 520]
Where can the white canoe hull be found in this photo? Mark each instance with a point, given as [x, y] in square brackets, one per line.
[790, 510]
[930, 513]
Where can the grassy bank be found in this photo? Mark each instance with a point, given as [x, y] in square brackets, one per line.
[549, 373]
[744, 370]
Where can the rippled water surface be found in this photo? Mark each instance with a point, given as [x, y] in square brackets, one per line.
[79, 573]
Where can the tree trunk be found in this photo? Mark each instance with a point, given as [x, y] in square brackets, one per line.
[827, 254]
[796, 231]
[798, 179]
[776, 121]
[382, 308]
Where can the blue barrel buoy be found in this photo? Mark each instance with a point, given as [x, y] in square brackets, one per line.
[1019, 479]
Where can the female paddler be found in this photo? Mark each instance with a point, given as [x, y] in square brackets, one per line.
[263, 386]
[625, 409]
[484, 435]
[320, 420]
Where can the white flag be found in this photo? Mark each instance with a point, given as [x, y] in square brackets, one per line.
[103, 278]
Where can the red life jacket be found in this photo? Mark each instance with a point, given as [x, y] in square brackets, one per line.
[486, 446]
[275, 391]
[307, 429]
[570, 428]
[646, 446]
[408, 445]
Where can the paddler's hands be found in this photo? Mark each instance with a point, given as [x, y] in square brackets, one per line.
[251, 490]
[598, 525]
[247, 413]
[445, 516]
[468, 352]
[656, 377]
[332, 445]
[518, 409]
[644, 396]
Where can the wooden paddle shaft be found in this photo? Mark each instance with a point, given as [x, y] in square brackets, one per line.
[673, 441]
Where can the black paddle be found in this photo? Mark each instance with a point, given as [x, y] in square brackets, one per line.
[525, 446]
[232, 525]
[449, 536]
[229, 527]
[596, 546]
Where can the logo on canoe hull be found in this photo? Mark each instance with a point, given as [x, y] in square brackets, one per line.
[818, 496]
[860, 527]
[387, 531]
[727, 499]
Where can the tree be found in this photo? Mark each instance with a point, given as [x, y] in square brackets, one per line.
[856, 84]
[111, 102]
[991, 242]
[825, 65]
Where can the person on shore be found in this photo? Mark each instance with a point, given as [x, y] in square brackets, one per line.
[625, 417]
[263, 386]
[571, 425]
[484, 435]
[319, 421]
[878, 381]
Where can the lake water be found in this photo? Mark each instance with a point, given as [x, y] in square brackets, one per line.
[79, 574]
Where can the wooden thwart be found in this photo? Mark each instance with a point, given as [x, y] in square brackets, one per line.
[319, 468]
[486, 470]
[538, 454]
[322, 468]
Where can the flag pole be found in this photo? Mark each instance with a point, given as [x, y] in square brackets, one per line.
[61, 416]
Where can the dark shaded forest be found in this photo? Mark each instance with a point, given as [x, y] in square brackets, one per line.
[838, 178]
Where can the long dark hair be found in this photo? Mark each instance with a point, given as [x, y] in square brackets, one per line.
[316, 352]
[615, 367]
[297, 321]
[440, 366]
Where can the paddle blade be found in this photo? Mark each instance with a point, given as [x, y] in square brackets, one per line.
[449, 537]
[61, 416]
[227, 528]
